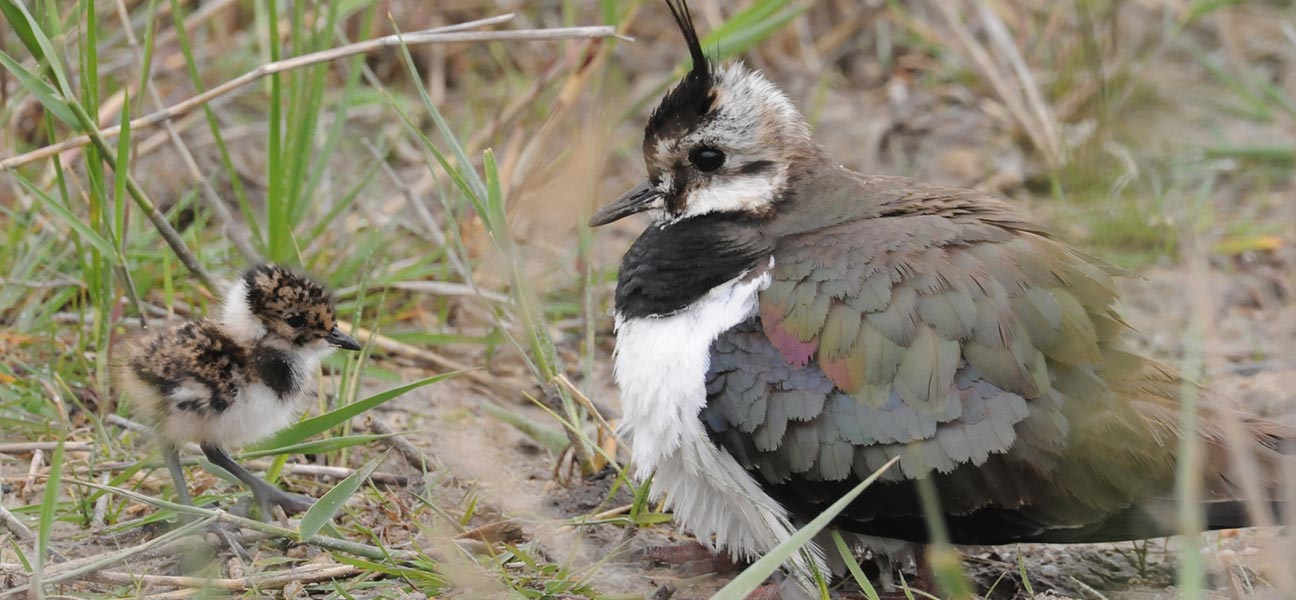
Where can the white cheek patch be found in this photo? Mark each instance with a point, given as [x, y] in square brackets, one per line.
[237, 316]
[734, 194]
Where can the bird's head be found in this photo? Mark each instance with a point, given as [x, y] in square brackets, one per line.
[274, 305]
[724, 140]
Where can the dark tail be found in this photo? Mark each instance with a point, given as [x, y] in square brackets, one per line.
[1161, 519]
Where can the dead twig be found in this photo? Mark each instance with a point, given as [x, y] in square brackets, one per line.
[179, 594]
[1034, 99]
[125, 423]
[145, 204]
[100, 507]
[26, 447]
[14, 526]
[29, 486]
[412, 454]
[598, 518]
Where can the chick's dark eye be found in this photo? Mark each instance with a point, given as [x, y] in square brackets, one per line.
[706, 158]
[296, 321]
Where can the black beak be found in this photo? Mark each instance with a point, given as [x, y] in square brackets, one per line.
[637, 200]
[341, 340]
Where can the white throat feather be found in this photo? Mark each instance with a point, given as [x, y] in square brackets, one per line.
[661, 366]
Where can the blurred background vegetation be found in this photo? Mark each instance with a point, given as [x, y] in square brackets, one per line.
[443, 190]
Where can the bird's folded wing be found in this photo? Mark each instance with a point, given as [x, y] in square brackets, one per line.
[194, 368]
[967, 348]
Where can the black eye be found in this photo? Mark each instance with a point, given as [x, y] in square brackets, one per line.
[296, 321]
[706, 158]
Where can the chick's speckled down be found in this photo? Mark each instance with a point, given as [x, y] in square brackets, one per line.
[193, 367]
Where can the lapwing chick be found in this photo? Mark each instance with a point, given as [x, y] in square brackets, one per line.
[233, 381]
[785, 327]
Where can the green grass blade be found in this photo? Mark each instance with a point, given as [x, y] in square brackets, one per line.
[319, 424]
[123, 164]
[32, 36]
[319, 446]
[749, 27]
[278, 232]
[853, 566]
[214, 126]
[476, 187]
[549, 438]
[19, 24]
[752, 577]
[44, 93]
[83, 229]
[49, 505]
[1026, 582]
[321, 513]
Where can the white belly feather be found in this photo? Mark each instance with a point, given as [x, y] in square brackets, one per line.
[661, 366]
[255, 414]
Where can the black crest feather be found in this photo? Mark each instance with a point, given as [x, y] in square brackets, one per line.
[686, 106]
[680, 10]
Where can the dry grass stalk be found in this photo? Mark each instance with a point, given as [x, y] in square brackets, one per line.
[327, 471]
[26, 447]
[414, 456]
[1055, 149]
[308, 574]
[33, 469]
[506, 387]
[209, 516]
[1243, 462]
[15, 526]
[1042, 135]
[75, 569]
[584, 400]
[443, 35]
[239, 235]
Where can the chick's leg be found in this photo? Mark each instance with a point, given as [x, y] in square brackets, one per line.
[172, 459]
[171, 456]
[266, 495]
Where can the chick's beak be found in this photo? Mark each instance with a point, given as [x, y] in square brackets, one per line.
[341, 340]
[636, 200]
